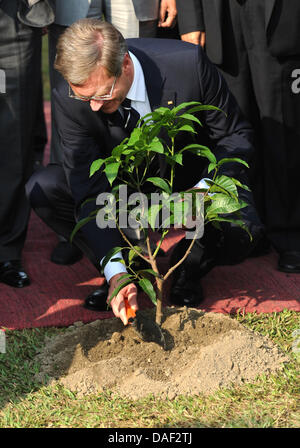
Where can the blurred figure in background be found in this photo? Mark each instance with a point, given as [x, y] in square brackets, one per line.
[256, 46]
[20, 99]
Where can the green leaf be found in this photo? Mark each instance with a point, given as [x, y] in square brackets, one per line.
[147, 287]
[161, 183]
[176, 158]
[190, 117]
[149, 271]
[161, 111]
[133, 253]
[120, 260]
[95, 166]
[211, 167]
[223, 204]
[135, 136]
[78, 226]
[204, 107]
[224, 184]
[186, 105]
[200, 150]
[119, 150]
[239, 184]
[118, 289]
[110, 254]
[231, 160]
[87, 201]
[152, 214]
[187, 128]
[156, 146]
[111, 171]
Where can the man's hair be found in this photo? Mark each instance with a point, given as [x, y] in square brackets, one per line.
[86, 45]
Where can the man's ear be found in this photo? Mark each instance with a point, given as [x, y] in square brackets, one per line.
[127, 64]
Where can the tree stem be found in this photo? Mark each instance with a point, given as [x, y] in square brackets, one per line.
[159, 284]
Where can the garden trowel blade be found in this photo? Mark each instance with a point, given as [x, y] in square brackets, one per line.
[148, 330]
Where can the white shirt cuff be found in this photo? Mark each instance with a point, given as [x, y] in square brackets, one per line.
[113, 267]
[201, 184]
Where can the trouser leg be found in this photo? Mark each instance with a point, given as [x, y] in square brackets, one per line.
[122, 15]
[261, 84]
[279, 131]
[40, 129]
[20, 53]
[51, 200]
[236, 71]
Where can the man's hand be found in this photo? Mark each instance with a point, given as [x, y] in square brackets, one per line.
[117, 303]
[195, 37]
[167, 13]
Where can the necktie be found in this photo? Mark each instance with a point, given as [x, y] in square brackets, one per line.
[131, 116]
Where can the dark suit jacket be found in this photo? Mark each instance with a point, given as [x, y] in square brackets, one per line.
[174, 72]
[282, 25]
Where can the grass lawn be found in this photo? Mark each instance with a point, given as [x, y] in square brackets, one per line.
[271, 402]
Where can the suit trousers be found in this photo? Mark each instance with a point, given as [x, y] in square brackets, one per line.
[262, 85]
[122, 15]
[51, 199]
[20, 62]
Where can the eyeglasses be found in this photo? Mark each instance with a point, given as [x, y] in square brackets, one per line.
[106, 97]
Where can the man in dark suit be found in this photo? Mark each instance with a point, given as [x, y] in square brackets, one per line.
[256, 46]
[20, 100]
[101, 72]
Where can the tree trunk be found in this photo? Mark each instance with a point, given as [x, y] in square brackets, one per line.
[160, 290]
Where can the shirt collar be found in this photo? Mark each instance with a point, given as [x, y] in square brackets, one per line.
[137, 91]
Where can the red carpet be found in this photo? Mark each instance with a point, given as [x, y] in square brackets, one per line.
[56, 294]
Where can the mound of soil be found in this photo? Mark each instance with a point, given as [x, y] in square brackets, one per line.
[205, 352]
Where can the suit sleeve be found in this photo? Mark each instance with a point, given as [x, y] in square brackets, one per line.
[190, 16]
[79, 151]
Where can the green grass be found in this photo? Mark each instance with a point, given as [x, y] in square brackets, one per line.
[271, 401]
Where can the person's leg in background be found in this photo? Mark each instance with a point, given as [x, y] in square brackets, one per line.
[122, 15]
[40, 130]
[278, 136]
[20, 60]
[261, 84]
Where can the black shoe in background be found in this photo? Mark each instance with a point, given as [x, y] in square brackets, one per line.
[289, 262]
[13, 274]
[65, 254]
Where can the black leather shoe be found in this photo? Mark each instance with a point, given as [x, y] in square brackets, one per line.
[12, 273]
[186, 292]
[65, 253]
[289, 262]
[96, 301]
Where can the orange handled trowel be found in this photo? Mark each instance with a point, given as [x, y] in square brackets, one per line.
[147, 329]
